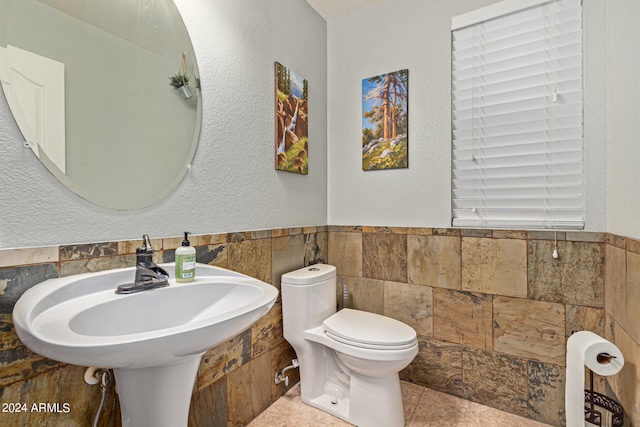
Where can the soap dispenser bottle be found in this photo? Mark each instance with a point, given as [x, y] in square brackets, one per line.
[185, 261]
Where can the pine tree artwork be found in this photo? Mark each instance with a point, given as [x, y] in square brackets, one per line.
[292, 118]
[385, 119]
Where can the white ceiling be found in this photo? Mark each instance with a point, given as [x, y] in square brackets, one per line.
[330, 9]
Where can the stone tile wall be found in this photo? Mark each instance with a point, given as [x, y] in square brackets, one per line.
[622, 308]
[493, 309]
[235, 380]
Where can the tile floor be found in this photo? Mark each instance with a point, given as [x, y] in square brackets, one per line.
[422, 408]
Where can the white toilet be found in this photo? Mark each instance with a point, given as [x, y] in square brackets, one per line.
[349, 360]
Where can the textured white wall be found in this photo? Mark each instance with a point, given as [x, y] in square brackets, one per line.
[394, 34]
[624, 117]
[233, 185]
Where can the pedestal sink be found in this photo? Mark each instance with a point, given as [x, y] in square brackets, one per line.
[153, 340]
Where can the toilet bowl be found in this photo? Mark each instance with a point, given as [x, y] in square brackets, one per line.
[349, 360]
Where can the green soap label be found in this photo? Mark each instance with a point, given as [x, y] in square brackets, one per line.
[185, 266]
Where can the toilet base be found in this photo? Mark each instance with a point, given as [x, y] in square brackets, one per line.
[372, 402]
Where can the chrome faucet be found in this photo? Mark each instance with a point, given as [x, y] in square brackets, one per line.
[148, 274]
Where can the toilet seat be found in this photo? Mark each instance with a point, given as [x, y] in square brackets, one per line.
[369, 330]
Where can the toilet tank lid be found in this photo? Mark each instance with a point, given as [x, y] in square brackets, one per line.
[311, 274]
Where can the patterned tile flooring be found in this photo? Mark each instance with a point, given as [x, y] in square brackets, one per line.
[422, 407]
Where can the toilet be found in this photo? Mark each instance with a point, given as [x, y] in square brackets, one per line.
[349, 360]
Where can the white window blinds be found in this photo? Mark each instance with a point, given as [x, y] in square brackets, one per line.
[517, 127]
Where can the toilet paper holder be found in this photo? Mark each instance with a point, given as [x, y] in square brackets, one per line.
[594, 399]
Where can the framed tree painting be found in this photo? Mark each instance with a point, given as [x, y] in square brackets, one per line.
[385, 119]
[292, 129]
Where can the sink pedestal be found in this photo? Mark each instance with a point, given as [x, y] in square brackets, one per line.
[157, 396]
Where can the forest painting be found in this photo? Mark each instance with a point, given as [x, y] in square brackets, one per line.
[385, 101]
[292, 134]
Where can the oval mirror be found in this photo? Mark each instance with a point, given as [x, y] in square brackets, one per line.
[91, 86]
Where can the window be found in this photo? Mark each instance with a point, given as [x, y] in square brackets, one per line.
[517, 116]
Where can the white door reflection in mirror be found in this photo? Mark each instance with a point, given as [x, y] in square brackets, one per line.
[127, 138]
[34, 86]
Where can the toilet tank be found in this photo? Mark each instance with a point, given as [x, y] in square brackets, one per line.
[308, 297]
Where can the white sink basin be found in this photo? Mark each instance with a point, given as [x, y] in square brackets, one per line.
[81, 320]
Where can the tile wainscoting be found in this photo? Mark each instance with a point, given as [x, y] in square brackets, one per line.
[492, 310]
[235, 380]
[622, 308]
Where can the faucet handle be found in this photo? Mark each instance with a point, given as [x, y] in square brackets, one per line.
[146, 244]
